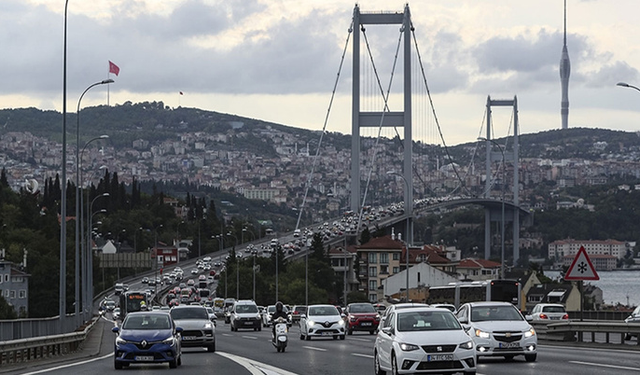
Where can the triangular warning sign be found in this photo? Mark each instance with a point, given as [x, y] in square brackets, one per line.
[581, 268]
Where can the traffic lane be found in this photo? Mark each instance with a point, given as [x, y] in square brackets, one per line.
[318, 356]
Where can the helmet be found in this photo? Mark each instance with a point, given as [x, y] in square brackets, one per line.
[279, 306]
[143, 306]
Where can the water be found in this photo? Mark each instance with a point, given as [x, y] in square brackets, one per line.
[617, 286]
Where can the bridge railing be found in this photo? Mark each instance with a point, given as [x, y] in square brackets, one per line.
[596, 332]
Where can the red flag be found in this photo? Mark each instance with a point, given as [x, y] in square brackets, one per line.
[181, 93]
[113, 68]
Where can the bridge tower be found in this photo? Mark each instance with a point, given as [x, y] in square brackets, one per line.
[387, 118]
[490, 214]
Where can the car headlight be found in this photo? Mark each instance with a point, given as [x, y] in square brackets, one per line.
[208, 326]
[120, 341]
[169, 341]
[341, 322]
[408, 347]
[531, 332]
[482, 334]
[310, 323]
[467, 345]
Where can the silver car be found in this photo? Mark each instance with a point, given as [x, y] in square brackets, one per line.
[322, 321]
[544, 312]
[424, 340]
[498, 329]
[198, 329]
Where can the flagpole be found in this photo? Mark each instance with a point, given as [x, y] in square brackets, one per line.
[108, 77]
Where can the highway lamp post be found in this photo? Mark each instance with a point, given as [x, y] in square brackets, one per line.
[254, 252]
[155, 251]
[77, 242]
[237, 278]
[62, 312]
[406, 184]
[502, 204]
[86, 252]
[90, 247]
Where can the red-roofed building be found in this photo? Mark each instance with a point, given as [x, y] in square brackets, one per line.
[433, 255]
[478, 269]
[379, 258]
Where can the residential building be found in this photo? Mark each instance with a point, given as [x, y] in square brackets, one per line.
[478, 269]
[379, 258]
[570, 247]
[14, 287]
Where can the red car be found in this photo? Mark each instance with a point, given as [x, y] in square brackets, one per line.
[361, 317]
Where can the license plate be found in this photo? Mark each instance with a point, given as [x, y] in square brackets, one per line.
[187, 338]
[325, 333]
[509, 345]
[440, 357]
[366, 323]
[145, 358]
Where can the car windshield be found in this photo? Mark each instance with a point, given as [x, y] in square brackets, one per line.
[246, 309]
[488, 313]
[362, 308]
[553, 309]
[189, 313]
[323, 310]
[147, 321]
[427, 321]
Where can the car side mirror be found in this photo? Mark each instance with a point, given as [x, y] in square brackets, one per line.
[528, 318]
[179, 329]
[387, 330]
[303, 316]
[463, 320]
[115, 329]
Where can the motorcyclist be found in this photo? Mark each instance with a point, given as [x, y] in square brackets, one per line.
[279, 313]
[143, 306]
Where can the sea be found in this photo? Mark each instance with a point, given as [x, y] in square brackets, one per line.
[618, 287]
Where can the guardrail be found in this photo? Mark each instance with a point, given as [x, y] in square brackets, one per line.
[604, 332]
[29, 349]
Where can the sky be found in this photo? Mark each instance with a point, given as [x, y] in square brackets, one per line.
[278, 60]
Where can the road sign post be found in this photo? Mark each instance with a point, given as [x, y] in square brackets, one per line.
[581, 269]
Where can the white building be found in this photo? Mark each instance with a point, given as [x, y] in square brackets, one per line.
[420, 275]
[563, 248]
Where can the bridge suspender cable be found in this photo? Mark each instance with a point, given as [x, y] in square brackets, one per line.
[324, 127]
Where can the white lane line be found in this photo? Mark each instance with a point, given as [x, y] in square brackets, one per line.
[607, 366]
[250, 337]
[227, 334]
[314, 348]
[362, 355]
[357, 339]
[69, 365]
[255, 367]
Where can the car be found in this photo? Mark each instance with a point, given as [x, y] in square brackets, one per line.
[423, 340]
[545, 312]
[198, 328]
[212, 315]
[322, 321]
[116, 313]
[245, 314]
[147, 337]
[633, 318]
[447, 306]
[361, 317]
[268, 312]
[109, 305]
[499, 329]
[144, 280]
[296, 312]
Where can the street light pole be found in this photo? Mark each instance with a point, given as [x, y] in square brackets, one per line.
[86, 301]
[63, 189]
[624, 84]
[407, 212]
[90, 250]
[77, 275]
[502, 204]
[155, 250]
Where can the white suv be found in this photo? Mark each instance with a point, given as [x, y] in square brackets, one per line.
[245, 314]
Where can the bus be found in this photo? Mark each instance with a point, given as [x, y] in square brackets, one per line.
[132, 301]
[487, 290]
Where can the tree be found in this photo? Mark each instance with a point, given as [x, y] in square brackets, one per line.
[6, 310]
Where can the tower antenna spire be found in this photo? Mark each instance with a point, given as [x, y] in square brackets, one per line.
[565, 72]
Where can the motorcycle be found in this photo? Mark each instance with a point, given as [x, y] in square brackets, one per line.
[281, 330]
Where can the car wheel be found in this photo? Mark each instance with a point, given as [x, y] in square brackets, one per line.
[117, 365]
[212, 347]
[372, 332]
[394, 365]
[173, 364]
[278, 349]
[530, 357]
[301, 336]
[376, 365]
[259, 328]
[342, 337]
[350, 332]
[283, 348]
[308, 337]
[180, 360]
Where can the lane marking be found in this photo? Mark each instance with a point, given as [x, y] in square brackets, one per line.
[362, 355]
[607, 366]
[69, 365]
[250, 337]
[357, 339]
[255, 367]
[314, 348]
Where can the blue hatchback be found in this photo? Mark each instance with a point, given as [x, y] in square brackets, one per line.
[147, 337]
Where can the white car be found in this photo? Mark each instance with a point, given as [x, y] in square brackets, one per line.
[424, 340]
[498, 329]
[545, 312]
[322, 321]
[245, 314]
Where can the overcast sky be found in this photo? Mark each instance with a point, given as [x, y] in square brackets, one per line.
[277, 60]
